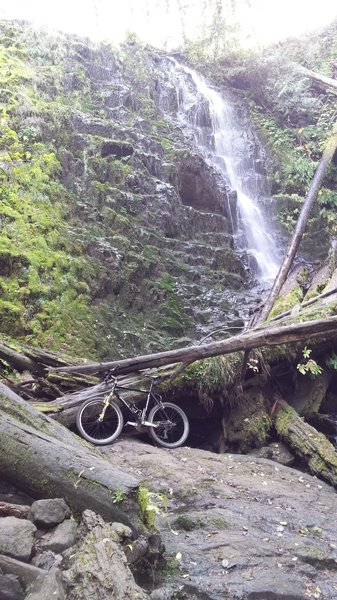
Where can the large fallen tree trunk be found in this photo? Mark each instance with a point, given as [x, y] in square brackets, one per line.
[310, 445]
[268, 336]
[46, 460]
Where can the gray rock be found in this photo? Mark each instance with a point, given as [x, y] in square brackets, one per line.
[107, 576]
[49, 586]
[50, 511]
[25, 572]
[277, 452]
[163, 593]
[90, 519]
[123, 531]
[264, 588]
[46, 560]
[10, 588]
[60, 538]
[16, 537]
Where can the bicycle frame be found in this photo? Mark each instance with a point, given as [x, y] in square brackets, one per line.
[141, 414]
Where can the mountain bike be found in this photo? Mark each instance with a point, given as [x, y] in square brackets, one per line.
[100, 420]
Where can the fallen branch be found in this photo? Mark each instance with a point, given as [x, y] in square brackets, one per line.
[21, 511]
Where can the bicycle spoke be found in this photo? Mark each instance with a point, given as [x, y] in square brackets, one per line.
[98, 423]
[170, 425]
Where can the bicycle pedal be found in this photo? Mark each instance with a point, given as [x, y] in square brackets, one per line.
[149, 424]
[132, 423]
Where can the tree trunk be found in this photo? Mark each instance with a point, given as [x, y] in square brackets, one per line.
[19, 361]
[310, 445]
[322, 80]
[46, 460]
[20, 511]
[268, 336]
[300, 226]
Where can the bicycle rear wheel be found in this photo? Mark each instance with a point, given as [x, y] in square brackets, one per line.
[171, 426]
[98, 426]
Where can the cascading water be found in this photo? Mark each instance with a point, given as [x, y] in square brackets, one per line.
[211, 123]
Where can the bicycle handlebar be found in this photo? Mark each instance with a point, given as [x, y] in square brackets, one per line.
[110, 375]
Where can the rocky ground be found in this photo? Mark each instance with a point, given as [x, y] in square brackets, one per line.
[238, 527]
[234, 527]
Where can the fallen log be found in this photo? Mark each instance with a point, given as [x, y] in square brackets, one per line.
[268, 336]
[46, 460]
[307, 443]
[302, 220]
[19, 361]
[64, 408]
[21, 511]
[323, 81]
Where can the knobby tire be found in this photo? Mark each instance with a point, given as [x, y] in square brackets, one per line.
[94, 431]
[173, 424]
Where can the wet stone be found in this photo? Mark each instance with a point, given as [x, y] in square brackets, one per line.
[60, 538]
[46, 560]
[46, 587]
[50, 512]
[10, 588]
[16, 537]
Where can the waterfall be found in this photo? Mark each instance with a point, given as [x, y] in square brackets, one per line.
[211, 123]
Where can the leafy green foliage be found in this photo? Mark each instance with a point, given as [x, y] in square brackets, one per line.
[310, 365]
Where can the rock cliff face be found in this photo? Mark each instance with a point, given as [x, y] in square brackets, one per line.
[117, 236]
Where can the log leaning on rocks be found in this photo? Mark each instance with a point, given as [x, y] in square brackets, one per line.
[306, 442]
[47, 460]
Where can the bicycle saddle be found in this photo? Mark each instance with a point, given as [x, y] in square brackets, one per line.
[155, 379]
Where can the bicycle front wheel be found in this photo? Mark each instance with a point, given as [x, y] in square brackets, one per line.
[97, 424]
[170, 425]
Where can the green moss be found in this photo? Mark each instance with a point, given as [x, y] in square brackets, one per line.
[219, 524]
[151, 504]
[187, 523]
[287, 301]
[208, 379]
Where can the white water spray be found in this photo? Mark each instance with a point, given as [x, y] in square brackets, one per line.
[212, 123]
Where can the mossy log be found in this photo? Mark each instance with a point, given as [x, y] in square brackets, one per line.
[46, 460]
[307, 443]
[19, 361]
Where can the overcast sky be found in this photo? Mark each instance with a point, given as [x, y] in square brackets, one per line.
[111, 19]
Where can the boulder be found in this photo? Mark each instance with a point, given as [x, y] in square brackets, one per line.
[50, 511]
[10, 588]
[60, 538]
[16, 537]
[48, 586]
